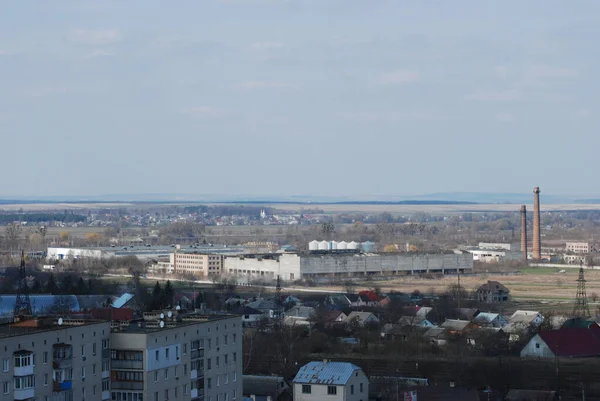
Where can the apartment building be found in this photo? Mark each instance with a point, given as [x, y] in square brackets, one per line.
[169, 357]
[198, 264]
[47, 359]
[579, 247]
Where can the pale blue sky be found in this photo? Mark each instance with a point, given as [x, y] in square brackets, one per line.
[298, 97]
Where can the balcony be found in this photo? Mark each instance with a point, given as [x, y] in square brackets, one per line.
[62, 386]
[123, 385]
[126, 364]
[105, 395]
[105, 353]
[197, 353]
[194, 374]
[62, 363]
[24, 371]
[25, 394]
[105, 374]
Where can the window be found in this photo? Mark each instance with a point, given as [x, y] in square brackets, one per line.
[185, 389]
[45, 357]
[225, 359]
[361, 387]
[235, 357]
[94, 389]
[156, 396]
[234, 376]
[306, 389]
[82, 372]
[537, 345]
[225, 378]
[175, 371]
[94, 369]
[208, 364]
[83, 393]
[156, 355]
[21, 360]
[332, 390]
[5, 387]
[5, 365]
[83, 350]
[225, 339]
[184, 349]
[209, 382]
[104, 344]
[218, 381]
[166, 394]
[234, 394]
[352, 389]
[185, 369]
[217, 362]
[105, 385]
[167, 353]
[233, 338]
[209, 341]
[176, 392]
[24, 382]
[166, 373]
[94, 349]
[177, 351]
[217, 340]
[45, 379]
[155, 376]
[105, 366]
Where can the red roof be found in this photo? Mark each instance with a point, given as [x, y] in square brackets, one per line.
[572, 342]
[115, 314]
[370, 295]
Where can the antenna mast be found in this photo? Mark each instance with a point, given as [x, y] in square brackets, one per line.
[22, 302]
[581, 308]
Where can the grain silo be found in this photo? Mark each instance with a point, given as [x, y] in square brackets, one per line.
[323, 246]
[353, 245]
[342, 245]
[313, 245]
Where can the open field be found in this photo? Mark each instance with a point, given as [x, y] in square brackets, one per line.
[332, 208]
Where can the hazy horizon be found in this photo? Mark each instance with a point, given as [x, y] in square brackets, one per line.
[336, 98]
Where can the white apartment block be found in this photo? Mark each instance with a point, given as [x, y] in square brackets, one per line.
[579, 247]
[195, 358]
[45, 361]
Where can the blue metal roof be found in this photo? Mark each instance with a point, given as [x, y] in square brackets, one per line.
[332, 373]
[40, 304]
[122, 300]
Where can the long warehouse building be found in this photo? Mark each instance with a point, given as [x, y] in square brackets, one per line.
[292, 266]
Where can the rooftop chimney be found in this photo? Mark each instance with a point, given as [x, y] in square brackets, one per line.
[537, 242]
[524, 231]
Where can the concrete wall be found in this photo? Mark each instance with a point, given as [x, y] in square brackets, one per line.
[389, 264]
[285, 265]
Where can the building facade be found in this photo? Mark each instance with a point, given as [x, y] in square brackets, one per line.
[45, 361]
[198, 264]
[195, 358]
[578, 247]
[335, 381]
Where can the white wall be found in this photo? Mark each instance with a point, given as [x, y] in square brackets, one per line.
[68, 253]
[532, 350]
[319, 392]
[286, 265]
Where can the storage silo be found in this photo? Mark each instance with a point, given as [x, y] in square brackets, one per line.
[367, 246]
[353, 245]
[342, 245]
[313, 245]
[333, 245]
[323, 246]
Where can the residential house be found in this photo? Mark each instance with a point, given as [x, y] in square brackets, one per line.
[337, 301]
[299, 315]
[235, 302]
[333, 318]
[454, 326]
[436, 335]
[250, 317]
[362, 318]
[466, 313]
[266, 388]
[485, 319]
[291, 300]
[415, 321]
[568, 342]
[579, 323]
[531, 395]
[335, 381]
[527, 316]
[368, 298]
[266, 307]
[396, 298]
[493, 291]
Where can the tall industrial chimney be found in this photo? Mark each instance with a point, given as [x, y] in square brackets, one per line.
[524, 231]
[537, 241]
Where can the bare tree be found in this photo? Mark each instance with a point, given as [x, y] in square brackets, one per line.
[13, 232]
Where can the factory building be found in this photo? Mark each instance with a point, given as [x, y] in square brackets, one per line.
[344, 264]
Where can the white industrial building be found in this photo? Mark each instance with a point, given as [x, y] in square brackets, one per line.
[341, 245]
[579, 247]
[291, 266]
[139, 251]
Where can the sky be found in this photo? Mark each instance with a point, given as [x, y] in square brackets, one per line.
[337, 98]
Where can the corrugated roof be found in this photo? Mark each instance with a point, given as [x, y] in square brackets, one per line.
[122, 300]
[320, 372]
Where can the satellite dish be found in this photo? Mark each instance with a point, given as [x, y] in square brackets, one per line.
[60, 321]
[162, 315]
[178, 307]
[162, 324]
[170, 314]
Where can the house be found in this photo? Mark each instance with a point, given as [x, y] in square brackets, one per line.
[415, 321]
[362, 318]
[531, 395]
[337, 301]
[334, 317]
[579, 323]
[266, 388]
[527, 316]
[485, 319]
[335, 381]
[235, 302]
[368, 298]
[250, 317]
[267, 308]
[466, 313]
[292, 300]
[568, 343]
[436, 335]
[493, 291]
[299, 315]
[456, 326]
[396, 298]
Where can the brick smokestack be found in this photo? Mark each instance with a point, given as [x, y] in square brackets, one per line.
[537, 241]
[524, 231]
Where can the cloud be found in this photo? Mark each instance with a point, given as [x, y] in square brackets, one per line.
[546, 71]
[4, 53]
[400, 77]
[505, 117]
[94, 37]
[100, 53]
[392, 116]
[494, 96]
[267, 45]
[263, 84]
[204, 112]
